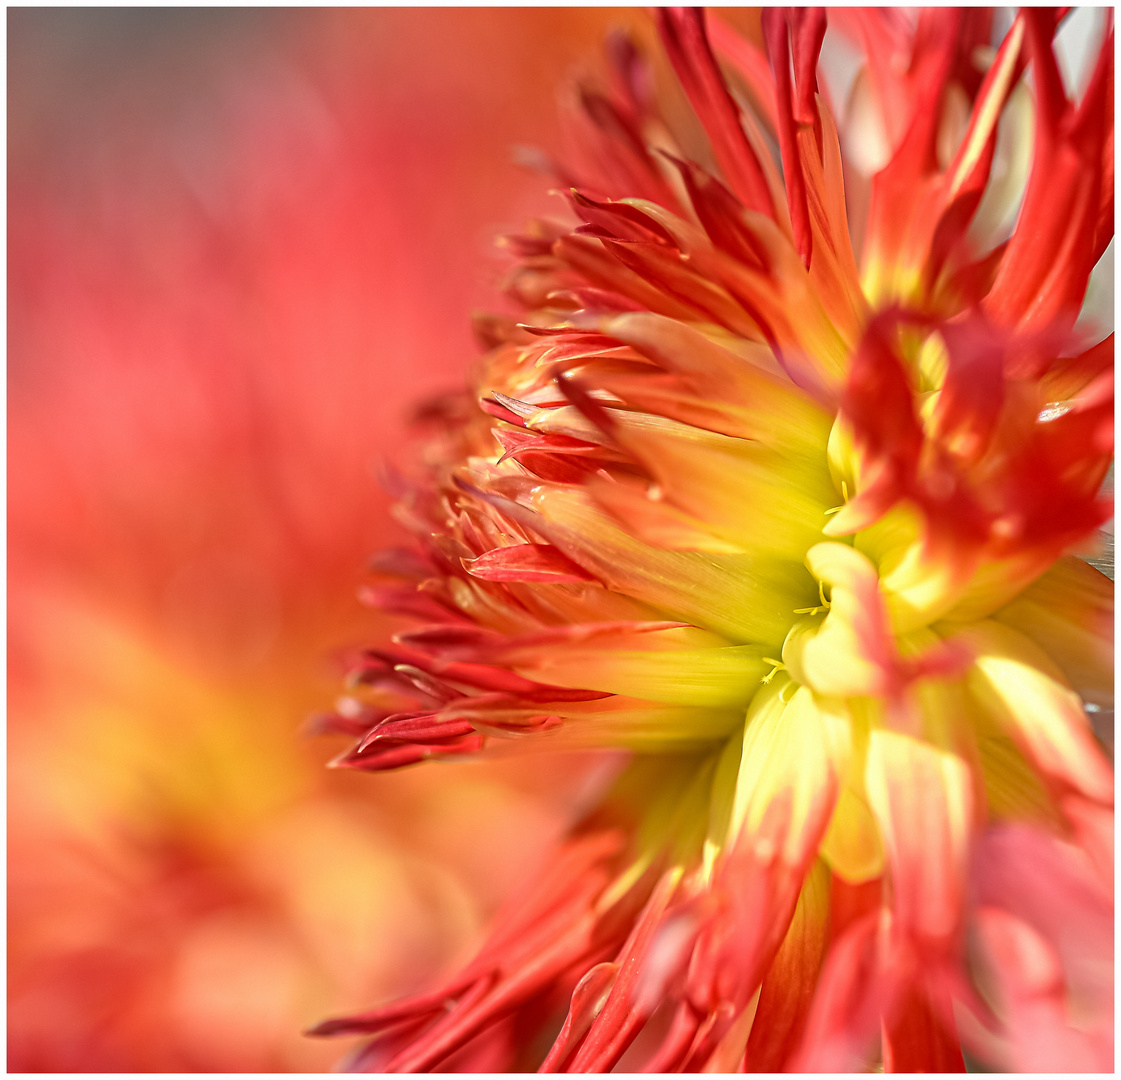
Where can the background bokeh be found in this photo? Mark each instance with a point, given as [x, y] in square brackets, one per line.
[241, 246]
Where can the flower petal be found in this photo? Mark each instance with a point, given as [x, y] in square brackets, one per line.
[745, 599]
[923, 801]
[704, 678]
[1020, 687]
[788, 987]
[786, 786]
[921, 1038]
[525, 562]
[1068, 612]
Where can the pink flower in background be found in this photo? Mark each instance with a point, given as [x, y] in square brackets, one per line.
[239, 247]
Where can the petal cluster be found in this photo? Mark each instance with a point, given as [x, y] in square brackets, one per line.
[795, 529]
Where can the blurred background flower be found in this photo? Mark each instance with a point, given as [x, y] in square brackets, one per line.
[241, 244]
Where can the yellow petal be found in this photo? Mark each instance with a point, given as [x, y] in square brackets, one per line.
[722, 800]
[714, 678]
[1013, 789]
[994, 584]
[1025, 693]
[851, 654]
[626, 723]
[852, 846]
[795, 746]
[745, 599]
[769, 502]
[919, 589]
[803, 631]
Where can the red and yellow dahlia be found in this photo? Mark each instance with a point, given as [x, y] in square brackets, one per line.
[795, 529]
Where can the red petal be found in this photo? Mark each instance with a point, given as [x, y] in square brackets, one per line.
[795, 104]
[917, 1038]
[1055, 246]
[675, 1046]
[404, 600]
[621, 219]
[749, 61]
[879, 404]
[842, 1028]
[1069, 376]
[419, 1005]
[720, 214]
[628, 1006]
[686, 43]
[526, 562]
[414, 729]
[587, 1002]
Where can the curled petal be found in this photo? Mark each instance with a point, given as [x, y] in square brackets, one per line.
[587, 1002]
[853, 652]
[627, 1007]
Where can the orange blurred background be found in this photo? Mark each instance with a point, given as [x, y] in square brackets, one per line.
[241, 246]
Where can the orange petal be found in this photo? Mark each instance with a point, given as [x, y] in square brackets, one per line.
[789, 985]
[843, 1024]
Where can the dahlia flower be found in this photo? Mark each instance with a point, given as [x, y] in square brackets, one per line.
[798, 531]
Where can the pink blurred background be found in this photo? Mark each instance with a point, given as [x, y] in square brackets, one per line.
[241, 246]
